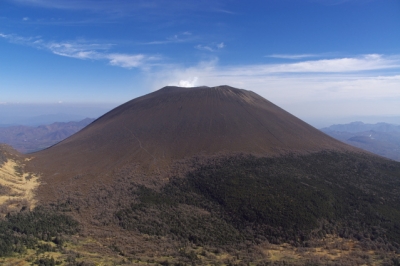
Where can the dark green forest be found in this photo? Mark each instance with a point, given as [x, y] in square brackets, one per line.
[292, 199]
[29, 229]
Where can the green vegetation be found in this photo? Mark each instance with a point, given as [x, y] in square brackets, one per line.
[285, 199]
[160, 214]
[27, 230]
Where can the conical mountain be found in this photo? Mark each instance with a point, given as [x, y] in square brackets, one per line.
[175, 123]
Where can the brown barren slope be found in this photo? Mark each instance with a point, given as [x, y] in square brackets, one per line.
[176, 123]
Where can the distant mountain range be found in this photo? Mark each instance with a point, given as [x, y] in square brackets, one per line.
[34, 121]
[380, 138]
[28, 139]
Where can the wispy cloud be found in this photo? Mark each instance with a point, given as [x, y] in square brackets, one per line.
[80, 50]
[92, 5]
[224, 11]
[335, 65]
[85, 50]
[176, 38]
[210, 48]
[132, 61]
[128, 7]
[115, 11]
[204, 48]
[306, 70]
[220, 45]
[302, 88]
[292, 56]
[19, 39]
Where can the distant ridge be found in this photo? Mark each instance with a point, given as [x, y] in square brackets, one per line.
[359, 126]
[28, 139]
[175, 123]
[38, 120]
[381, 138]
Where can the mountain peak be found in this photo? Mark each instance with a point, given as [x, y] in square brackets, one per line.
[176, 123]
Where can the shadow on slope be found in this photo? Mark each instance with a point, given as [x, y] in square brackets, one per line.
[291, 199]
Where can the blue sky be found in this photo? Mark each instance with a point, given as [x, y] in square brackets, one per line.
[321, 60]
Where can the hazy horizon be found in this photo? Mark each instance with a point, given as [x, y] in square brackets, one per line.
[40, 114]
[324, 61]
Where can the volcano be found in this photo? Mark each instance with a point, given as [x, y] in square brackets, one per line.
[175, 123]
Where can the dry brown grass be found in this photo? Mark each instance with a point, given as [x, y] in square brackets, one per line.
[110, 248]
[19, 187]
[327, 251]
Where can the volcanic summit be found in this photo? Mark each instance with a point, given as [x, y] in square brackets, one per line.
[176, 123]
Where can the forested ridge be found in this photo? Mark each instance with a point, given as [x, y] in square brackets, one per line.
[285, 199]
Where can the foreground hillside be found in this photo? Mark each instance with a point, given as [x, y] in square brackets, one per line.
[324, 208]
[232, 180]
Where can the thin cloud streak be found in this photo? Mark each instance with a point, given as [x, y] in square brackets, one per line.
[204, 48]
[286, 89]
[224, 11]
[124, 8]
[127, 61]
[96, 51]
[102, 5]
[210, 48]
[79, 50]
[85, 51]
[177, 38]
[292, 56]
[337, 65]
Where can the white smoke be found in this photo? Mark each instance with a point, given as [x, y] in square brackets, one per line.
[188, 83]
[171, 75]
